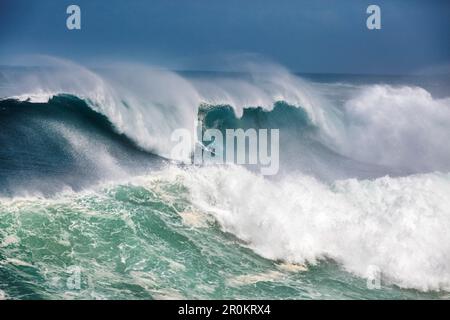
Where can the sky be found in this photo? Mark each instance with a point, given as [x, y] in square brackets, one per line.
[322, 36]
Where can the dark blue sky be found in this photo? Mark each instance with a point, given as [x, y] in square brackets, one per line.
[304, 35]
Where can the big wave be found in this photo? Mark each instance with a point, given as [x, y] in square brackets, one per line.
[397, 127]
[365, 182]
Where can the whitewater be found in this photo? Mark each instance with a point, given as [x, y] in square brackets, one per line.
[87, 181]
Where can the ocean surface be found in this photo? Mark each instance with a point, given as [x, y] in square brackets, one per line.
[92, 206]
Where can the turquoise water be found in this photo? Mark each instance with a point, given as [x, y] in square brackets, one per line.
[148, 241]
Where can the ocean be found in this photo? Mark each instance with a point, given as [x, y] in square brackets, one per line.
[92, 206]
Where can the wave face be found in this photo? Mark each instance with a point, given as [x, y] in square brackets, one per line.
[61, 144]
[86, 181]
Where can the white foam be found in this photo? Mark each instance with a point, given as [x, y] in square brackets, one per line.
[397, 224]
[34, 97]
[9, 240]
[403, 127]
[292, 267]
[248, 279]
[194, 219]
[17, 262]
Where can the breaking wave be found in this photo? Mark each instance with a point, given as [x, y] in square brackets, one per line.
[363, 182]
